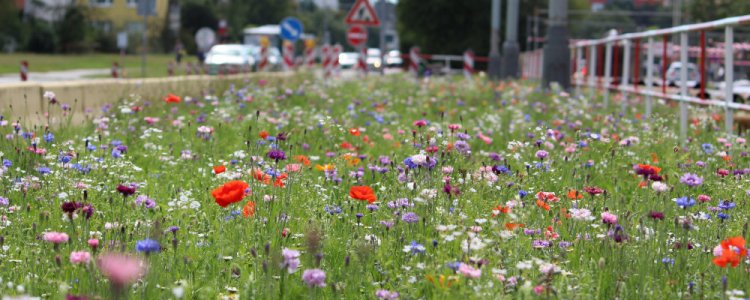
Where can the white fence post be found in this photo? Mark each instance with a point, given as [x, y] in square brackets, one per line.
[649, 81]
[607, 72]
[728, 78]
[683, 86]
[625, 74]
[592, 72]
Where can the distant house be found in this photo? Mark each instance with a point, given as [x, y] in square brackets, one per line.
[47, 10]
[122, 15]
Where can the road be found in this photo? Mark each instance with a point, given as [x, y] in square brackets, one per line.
[79, 74]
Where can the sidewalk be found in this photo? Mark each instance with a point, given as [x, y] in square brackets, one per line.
[79, 74]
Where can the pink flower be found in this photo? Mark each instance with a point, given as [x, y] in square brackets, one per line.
[609, 218]
[538, 289]
[454, 127]
[121, 269]
[718, 250]
[293, 167]
[420, 123]
[704, 198]
[93, 243]
[80, 257]
[469, 271]
[56, 237]
[387, 136]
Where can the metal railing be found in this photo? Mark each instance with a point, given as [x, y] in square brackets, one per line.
[586, 75]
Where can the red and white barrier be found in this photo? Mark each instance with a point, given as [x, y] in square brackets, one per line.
[326, 59]
[115, 71]
[362, 60]
[309, 53]
[263, 65]
[24, 71]
[335, 66]
[414, 61]
[468, 64]
[288, 55]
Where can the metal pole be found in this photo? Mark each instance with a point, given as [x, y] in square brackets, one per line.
[556, 50]
[383, 20]
[144, 46]
[509, 66]
[494, 64]
[683, 86]
[579, 78]
[625, 74]
[592, 72]
[728, 78]
[607, 72]
[649, 77]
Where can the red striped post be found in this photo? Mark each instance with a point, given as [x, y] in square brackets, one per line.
[468, 64]
[334, 60]
[703, 65]
[115, 70]
[310, 53]
[326, 60]
[24, 71]
[288, 55]
[414, 61]
[362, 60]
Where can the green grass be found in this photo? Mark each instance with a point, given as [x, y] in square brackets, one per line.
[156, 63]
[218, 253]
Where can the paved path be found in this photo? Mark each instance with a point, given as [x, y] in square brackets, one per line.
[78, 74]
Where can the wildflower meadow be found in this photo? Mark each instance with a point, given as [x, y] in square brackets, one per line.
[384, 188]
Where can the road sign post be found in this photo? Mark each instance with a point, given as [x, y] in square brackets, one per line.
[356, 36]
[363, 14]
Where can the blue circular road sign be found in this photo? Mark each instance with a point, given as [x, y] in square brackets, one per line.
[291, 29]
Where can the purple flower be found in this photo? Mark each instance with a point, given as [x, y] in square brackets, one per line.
[410, 217]
[276, 155]
[147, 246]
[691, 180]
[685, 202]
[386, 294]
[314, 277]
[540, 244]
[462, 147]
[541, 154]
[291, 260]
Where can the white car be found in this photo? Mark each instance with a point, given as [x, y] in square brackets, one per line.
[673, 75]
[393, 59]
[740, 89]
[374, 61]
[348, 60]
[227, 57]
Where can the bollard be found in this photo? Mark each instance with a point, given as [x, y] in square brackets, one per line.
[334, 61]
[362, 60]
[414, 61]
[325, 60]
[468, 64]
[288, 55]
[115, 70]
[309, 53]
[24, 70]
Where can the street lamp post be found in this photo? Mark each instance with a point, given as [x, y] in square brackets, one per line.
[494, 65]
[510, 47]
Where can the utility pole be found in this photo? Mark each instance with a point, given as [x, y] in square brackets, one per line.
[510, 47]
[556, 51]
[384, 18]
[494, 66]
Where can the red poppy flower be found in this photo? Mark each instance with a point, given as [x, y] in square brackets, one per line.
[249, 209]
[354, 131]
[230, 192]
[362, 193]
[171, 98]
[219, 169]
[263, 134]
[732, 252]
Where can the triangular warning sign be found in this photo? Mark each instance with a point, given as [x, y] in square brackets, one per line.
[363, 14]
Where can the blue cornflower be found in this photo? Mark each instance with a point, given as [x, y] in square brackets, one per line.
[410, 217]
[147, 246]
[415, 248]
[453, 265]
[685, 202]
[668, 261]
[708, 148]
[333, 210]
[49, 137]
[116, 153]
[725, 205]
[522, 193]
[91, 147]
[7, 163]
[65, 159]
[722, 216]
[43, 170]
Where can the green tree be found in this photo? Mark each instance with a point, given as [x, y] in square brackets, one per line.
[73, 30]
[195, 15]
[702, 11]
[10, 25]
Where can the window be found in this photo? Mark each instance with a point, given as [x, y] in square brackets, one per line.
[134, 27]
[100, 3]
[103, 26]
[132, 3]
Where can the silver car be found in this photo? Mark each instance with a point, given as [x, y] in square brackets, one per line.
[227, 58]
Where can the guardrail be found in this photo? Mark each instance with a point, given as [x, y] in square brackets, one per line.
[589, 48]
